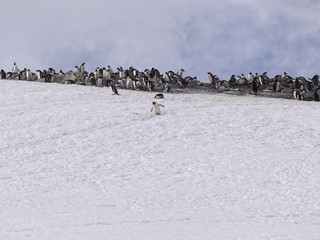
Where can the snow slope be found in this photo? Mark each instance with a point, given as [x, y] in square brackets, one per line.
[79, 163]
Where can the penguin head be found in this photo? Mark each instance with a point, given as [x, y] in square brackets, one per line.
[153, 103]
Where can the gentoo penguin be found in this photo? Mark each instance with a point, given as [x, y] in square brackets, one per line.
[159, 95]
[254, 86]
[82, 68]
[114, 89]
[15, 68]
[156, 108]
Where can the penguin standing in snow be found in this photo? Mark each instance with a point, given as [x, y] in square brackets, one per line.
[29, 75]
[254, 86]
[114, 89]
[3, 74]
[156, 108]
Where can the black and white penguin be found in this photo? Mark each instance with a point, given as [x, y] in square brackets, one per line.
[180, 72]
[69, 82]
[29, 75]
[77, 70]
[3, 74]
[15, 68]
[110, 70]
[296, 94]
[232, 81]
[156, 108]
[250, 77]
[166, 88]
[158, 96]
[121, 73]
[213, 78]
[114, 89]
[254, 86]
[315, 96]
[315, 80]
[166, 77]
[129, 83]
[39, 74]
[82, 67]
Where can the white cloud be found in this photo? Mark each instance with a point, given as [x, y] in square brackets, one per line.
[225, 37]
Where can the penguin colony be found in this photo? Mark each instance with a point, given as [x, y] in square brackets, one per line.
[283, 86]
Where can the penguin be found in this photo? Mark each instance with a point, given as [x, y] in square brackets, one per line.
[39, 74]
[296, 94]
[250, 77]
[265, 78]
[315, 80]
[129, 83]
[166, 77]
[166, 88]
[23, 74]
[213, 78]
[82, 67]
[110, 70]
[156, 108]
[69, 82]
[286, 77]
[29, 75]
[158, 96]
[315, 96]
[77, 70]
[107, 73]
[3, 74]
[180, 72]
[232, 81]
[254, 86]
[15, 68]
[274, 86]
[242, 80]
[114, 89]
[121, 73]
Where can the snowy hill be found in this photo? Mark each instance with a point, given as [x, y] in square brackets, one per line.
[79, 163]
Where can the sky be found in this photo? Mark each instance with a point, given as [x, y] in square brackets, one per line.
[223, 37]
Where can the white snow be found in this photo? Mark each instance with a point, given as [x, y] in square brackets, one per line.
[79, 163]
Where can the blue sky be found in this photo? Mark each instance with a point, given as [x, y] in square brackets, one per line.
[223, 37]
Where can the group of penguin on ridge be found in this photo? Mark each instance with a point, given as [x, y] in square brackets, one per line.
[151, 80]
[299, 88]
